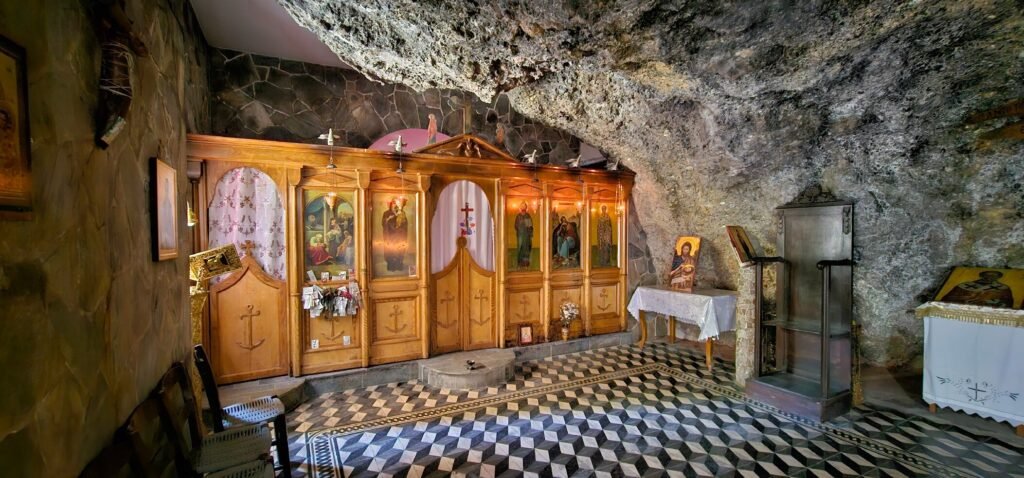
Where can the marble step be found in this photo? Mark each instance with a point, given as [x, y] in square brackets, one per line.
[491, 367]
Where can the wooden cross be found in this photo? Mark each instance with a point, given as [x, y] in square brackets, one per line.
[247, 247]
[481, 297]
[465, 211]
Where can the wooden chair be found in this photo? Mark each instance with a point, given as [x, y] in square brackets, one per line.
[261, 410]
[219, 452]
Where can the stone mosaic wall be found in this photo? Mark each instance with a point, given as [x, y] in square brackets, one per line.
[90, 322]
[269, 98]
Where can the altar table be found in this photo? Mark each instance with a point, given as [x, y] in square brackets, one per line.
[974, 360]
[713, 310]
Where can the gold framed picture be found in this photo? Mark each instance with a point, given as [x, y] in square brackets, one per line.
[393, 251]
[684, 263]
[604, 235]
[984, 286]
[329, 227]
[15, 161]
[525, 335]
[164, 210]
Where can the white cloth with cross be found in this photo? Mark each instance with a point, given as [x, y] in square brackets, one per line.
[974, 367]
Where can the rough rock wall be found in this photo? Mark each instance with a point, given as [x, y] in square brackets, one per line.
[268, 98]
[90, 322]
[728, 109]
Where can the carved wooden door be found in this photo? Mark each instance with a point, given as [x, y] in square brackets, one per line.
[464, 309]
[248, 325]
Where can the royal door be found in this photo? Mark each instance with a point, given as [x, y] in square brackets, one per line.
[463, 307]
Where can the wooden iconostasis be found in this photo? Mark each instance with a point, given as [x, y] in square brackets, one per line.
[457, 246]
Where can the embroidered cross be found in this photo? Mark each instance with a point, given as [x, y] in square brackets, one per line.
[976, 391]
[247, 247]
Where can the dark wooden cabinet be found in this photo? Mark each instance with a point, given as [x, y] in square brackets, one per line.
[804, 346]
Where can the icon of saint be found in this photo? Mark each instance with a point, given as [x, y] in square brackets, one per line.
[986, 290]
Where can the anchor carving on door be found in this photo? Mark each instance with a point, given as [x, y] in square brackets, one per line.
[249, 344]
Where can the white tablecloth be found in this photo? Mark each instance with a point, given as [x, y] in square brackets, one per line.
[713, 310]
[974, 360]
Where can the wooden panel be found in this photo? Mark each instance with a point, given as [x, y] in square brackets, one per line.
[605, 307]
[395, 320]
[395, 329]
[481, 324]
[448, 302]
[523, 307]
[249, 331]
[560, 296]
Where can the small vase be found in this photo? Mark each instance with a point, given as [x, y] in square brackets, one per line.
[565, 333]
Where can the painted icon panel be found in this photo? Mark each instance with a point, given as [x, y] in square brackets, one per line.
[604, 235]
[329, 226]
[522, 223]
[566, 219]
[684, 263]
[984, 286]
[394, 234]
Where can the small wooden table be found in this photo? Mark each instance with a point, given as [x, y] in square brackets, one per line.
[713, 310]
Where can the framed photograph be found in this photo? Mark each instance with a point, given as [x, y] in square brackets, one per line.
[525, 334]
[165, 212]
[983, 286]
[684, 263]
[15, 177]
[741, 244]
[325, 276]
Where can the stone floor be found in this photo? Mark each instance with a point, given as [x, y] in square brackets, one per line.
[622, 411]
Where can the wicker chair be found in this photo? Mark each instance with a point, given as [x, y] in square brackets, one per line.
[261, 410]
[249, 445]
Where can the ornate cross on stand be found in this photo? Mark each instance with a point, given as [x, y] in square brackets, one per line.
[467, 228]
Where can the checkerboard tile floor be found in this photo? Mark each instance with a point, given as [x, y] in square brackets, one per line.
[624, 423]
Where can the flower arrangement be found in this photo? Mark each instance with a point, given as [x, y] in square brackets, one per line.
[570, 313]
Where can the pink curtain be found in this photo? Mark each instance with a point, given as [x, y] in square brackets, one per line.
[247, 207]
[449, 223]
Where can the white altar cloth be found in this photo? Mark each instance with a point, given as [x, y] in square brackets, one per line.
[974, 360]
[713, 310]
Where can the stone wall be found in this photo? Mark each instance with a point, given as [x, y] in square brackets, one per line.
[727, 110]
[268, 98]
[90, 322]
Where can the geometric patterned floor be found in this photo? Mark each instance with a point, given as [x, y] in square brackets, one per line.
[620, 411]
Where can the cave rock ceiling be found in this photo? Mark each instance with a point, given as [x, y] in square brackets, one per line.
[729, 109]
